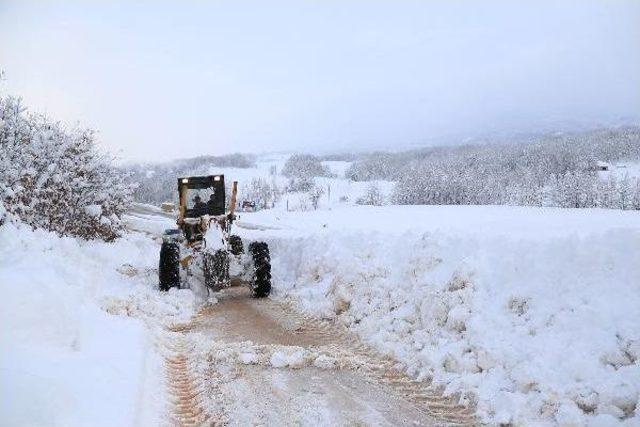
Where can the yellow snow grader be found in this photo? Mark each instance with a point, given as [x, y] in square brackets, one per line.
[202, 247]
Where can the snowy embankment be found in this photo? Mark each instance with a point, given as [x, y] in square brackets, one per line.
[531, 313]
[77, 337]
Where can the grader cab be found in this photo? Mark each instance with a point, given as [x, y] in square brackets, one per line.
[203, 249]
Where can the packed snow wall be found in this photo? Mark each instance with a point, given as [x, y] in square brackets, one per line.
[527, 328]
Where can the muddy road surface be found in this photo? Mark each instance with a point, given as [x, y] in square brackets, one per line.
[245, 362]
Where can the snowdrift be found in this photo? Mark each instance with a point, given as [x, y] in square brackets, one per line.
[75, 347]
[531, 314]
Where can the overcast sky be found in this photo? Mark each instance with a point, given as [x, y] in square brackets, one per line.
[161, 80]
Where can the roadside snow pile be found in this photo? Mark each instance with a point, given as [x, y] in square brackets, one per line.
[530, 313]
[65, 359]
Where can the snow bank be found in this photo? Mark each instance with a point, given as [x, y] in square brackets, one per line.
[66, 359]
[532, 314]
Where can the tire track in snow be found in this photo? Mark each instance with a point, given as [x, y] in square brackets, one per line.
[239, 324]
[382, 369]
[184, 388]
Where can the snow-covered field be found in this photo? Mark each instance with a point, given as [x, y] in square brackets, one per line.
[621, 169]
[531, 313]
[338, 191]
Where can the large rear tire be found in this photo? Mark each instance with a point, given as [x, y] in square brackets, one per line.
[169, 266]
[261, 283]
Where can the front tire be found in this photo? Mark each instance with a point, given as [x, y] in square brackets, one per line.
[235, 245]
[261, 283]
[169, 266]
[216, 270]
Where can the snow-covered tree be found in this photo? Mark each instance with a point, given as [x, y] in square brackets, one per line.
[558, 170]
[300, 184]
[314, 195]
[304, 166]
[56, 178]
[372, 196]
[635, 194]
[574, 190]
[607, 194]
[624, 194]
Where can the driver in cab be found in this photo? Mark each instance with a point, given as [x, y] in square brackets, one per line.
[198, 203]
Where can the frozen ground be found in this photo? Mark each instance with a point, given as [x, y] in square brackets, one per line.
[530, 313]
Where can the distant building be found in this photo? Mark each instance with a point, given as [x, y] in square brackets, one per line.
[602, 166]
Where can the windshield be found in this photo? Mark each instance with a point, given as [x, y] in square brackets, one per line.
[201, 196]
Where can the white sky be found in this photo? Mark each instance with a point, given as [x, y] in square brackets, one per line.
[161, 80]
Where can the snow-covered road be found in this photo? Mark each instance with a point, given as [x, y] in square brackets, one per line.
[258, 362]
[245, 361]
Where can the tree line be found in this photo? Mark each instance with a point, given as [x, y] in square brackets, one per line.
[558, 170]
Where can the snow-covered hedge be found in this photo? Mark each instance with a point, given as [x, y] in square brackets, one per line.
[55, 178]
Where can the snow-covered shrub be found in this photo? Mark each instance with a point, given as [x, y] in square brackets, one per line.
[373, 196]
[3, 213]
[635, 191]
[55, 178]
[314, 195]
[300, 184]
[304, 166]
